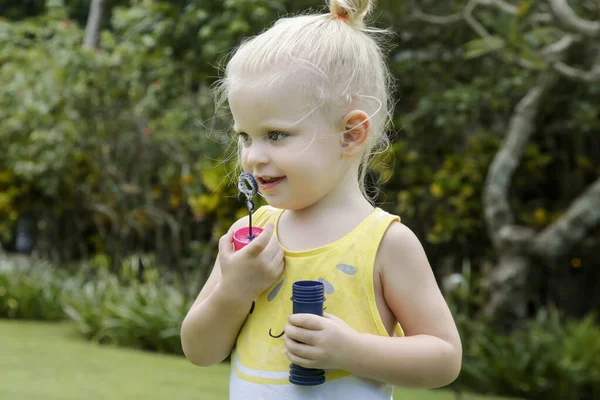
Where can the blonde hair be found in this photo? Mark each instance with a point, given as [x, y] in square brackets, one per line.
[343, 52]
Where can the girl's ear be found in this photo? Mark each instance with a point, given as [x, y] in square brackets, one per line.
[357, 128]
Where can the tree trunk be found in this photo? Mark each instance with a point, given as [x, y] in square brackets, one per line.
[507, 287]
[512, 243]
[518, 247]
[94, 22]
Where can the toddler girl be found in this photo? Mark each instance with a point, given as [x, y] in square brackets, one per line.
[310, 100]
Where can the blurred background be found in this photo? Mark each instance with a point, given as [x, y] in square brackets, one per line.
[115, 179]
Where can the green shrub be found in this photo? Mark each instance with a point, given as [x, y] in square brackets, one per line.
[144, 313]
[30, 289]
[138, 308]
[550, 358]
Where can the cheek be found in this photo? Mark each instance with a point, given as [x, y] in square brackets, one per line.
[243, 157]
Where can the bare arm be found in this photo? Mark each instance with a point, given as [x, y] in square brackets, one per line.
[210, 328]
[431, 353]
[209, 331]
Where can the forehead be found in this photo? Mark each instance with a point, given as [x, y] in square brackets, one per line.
[292, 97]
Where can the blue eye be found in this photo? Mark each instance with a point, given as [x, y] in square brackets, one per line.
[277, 135]
[244, 137]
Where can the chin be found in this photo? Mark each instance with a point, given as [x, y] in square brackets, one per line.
[277, 203]
[288, 205]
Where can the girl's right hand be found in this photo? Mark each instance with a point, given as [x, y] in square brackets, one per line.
[248, 272]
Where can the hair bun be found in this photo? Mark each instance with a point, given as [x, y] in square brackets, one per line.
[354, 10]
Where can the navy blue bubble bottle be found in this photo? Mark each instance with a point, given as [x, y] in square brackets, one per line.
[307, 298]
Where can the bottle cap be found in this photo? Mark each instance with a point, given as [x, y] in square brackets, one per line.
[241, 236]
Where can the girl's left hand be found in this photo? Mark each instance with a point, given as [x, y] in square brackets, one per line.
[325, 342]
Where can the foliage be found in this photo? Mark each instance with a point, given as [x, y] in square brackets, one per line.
[452, 113]
[30, 290]
[119, 150]
[76, 9]
[550, 358]
[141, 307]
[138, 309]
[71, 124]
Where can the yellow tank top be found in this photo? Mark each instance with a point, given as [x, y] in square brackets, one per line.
[346, 269]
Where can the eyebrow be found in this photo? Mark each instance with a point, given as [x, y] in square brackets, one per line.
[270, 126]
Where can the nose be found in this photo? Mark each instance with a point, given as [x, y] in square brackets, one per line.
[256, 154]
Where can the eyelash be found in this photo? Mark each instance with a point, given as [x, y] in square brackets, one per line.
[281, 135]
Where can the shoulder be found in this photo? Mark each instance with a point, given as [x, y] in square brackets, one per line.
[265, 214]
[400, 248]
[267, 209]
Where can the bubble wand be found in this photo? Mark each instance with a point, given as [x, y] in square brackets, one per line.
[249, 187]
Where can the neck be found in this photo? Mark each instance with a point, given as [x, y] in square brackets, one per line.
[344, 199]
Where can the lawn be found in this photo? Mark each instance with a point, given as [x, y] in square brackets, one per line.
[50, 361]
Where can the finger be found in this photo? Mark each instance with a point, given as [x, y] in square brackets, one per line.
[272, 248]
[258, 245]
[331, 316]
[300, 335]
[307, 321]
[280, 267]
[300, 361]
[301, 350]
[226, 242]
[279, 253]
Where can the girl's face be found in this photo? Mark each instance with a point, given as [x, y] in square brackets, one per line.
[293, 151]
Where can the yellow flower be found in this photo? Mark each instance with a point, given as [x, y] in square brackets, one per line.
[12, 303]
[467, 191]
[5, 177]
[540, 216]
[204, 203]
[186, 179]
[523, 8]
[575, 263]
[174, 201]
[436, 190]
[412, 156]
[4, 202]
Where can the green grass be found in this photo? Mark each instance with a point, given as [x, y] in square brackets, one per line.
[50, 361]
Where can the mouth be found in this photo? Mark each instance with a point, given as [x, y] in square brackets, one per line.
[269, 182]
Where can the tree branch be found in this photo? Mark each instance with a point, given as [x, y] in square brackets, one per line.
[567, 17]
[559, 47]
[553, 52]
[437, 19]
[500, 5]
[591, 76]
[434, 19]
[572, 227]
[472, 21]
[92, 27]
[498, 213]
[467, 15]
